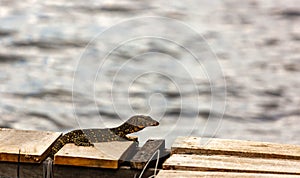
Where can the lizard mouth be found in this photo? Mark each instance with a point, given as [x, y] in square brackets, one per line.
[154, 124]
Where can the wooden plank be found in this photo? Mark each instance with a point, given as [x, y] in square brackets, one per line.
[198, 145]
[9, 169]
[231, 164]
[140, 159]
[34, 146]
[102, 155]
[84, 172]
[206, 174]
[29, 170]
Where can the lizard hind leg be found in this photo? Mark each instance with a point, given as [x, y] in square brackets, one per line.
[82, 141]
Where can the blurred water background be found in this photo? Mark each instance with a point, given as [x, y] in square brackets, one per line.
[256, 44]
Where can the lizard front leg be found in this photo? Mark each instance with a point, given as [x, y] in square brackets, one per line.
[132, 138]
[82, 141]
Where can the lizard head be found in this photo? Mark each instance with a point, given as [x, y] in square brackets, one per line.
[142, 121]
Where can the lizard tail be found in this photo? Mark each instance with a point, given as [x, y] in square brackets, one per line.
[57, 146]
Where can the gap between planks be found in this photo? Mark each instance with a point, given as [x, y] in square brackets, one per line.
[225, 163]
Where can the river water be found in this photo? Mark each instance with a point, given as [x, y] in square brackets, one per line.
[227, 69]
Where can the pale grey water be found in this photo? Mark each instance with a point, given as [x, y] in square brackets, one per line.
[256, 42]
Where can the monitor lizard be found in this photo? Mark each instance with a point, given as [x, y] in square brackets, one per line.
[86, 137]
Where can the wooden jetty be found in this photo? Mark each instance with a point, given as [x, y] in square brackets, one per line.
[202, 157]
[25, 153]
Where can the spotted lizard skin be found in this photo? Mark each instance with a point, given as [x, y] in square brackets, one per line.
[86, 137]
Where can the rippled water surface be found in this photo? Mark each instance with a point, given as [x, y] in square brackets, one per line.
[53, 75]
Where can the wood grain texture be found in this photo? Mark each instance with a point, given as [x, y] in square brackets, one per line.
[9, 169]
[206, 174]
[34, 146]
[29, 170]
[198, 145]
[140, 159]
[102, 155]
[88, 172]
[231, 164]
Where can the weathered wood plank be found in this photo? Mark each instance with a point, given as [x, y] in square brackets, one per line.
[231, 164]
[29, 170]
[9, 169]
[34, 146]
[84, 172]
[102, 155]
[206, 174]
[198, 145]
[140, 159]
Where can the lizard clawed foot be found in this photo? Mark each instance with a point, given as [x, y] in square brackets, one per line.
[135, 139]
[84, 144]
[82, 141]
